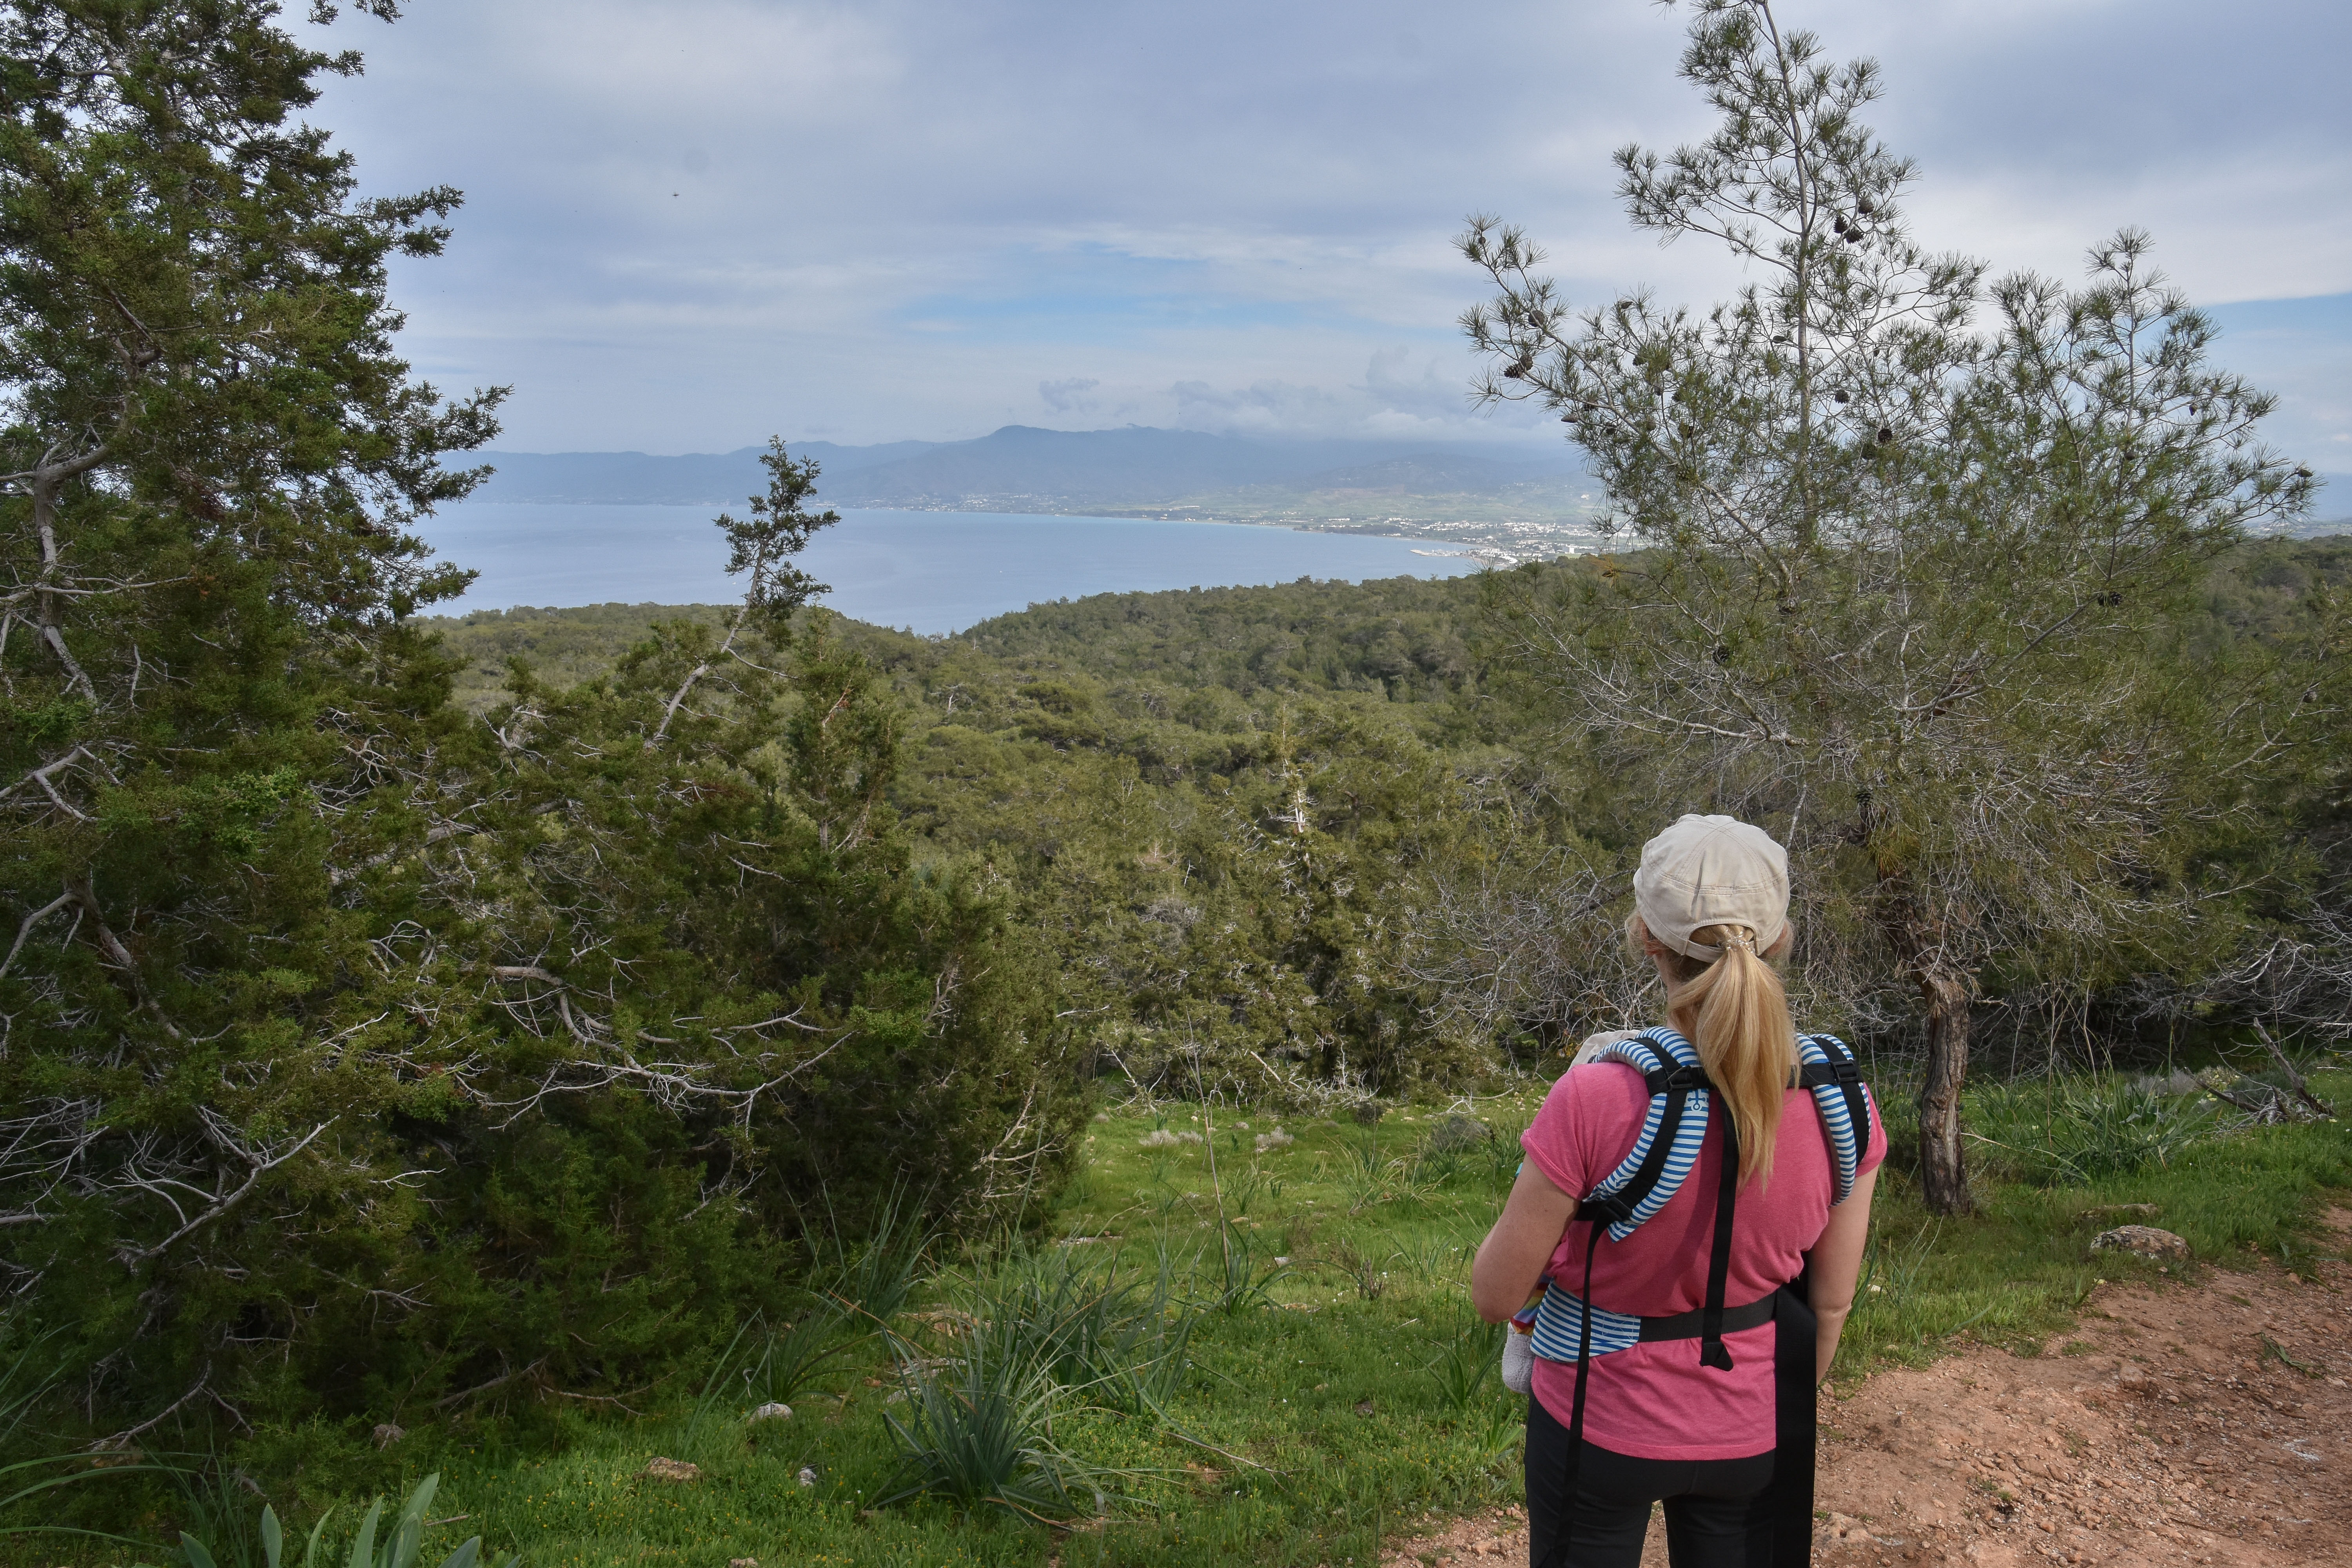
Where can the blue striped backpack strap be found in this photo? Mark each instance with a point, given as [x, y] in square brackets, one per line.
[1653, 1052]
[1827, 1067]
[1560, 1329]
[1673, 1129]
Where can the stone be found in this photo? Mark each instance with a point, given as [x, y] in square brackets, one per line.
[742, 1562]
[388, 1434]
[673, 1470]
[1457, 1132]
[807, 1477]
[772, 1411]
[2142, 1240]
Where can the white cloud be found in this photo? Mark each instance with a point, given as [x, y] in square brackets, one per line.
[691, 223]
[1075, 395]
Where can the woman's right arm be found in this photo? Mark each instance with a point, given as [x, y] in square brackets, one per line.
[1512, 1257]
[1835, 1263]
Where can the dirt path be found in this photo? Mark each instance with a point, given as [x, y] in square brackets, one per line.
[2208, 1424]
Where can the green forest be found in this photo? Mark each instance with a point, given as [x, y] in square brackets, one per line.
[1278, 840]
[723, 1082]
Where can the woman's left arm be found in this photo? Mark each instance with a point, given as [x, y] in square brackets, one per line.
[1834, 1263]
[1512, 1257]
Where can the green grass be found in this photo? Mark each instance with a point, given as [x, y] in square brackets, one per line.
[2016, 1271]
[1311, 1282]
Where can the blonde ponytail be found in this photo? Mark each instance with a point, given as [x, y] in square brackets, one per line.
[1736, 1011]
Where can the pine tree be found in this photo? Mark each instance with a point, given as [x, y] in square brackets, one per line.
[1905, 568]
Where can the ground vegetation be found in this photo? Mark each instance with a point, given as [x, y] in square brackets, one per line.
[1247, 1335]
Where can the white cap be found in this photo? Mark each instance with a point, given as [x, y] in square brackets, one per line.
[1712, 870]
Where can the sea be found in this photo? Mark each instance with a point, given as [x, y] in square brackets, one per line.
[926, 572]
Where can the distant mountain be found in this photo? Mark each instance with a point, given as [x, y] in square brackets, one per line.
[1019, 468]
[1136, 466]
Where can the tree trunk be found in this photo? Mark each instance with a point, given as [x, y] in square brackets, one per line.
[1943, 1169]
[1917, 936]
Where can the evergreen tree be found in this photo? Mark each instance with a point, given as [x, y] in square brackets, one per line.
[358, 1056]
[212, 456]
[1908, 572]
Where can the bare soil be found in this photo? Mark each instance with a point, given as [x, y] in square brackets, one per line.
[2204, 1423]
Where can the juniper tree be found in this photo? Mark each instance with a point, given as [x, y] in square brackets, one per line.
[1908, 539]
[210, 457]
[358, 1058]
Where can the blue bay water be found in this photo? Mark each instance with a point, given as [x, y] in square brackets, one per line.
[928, 571]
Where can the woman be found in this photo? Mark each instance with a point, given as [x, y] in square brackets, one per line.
[1686, 1410]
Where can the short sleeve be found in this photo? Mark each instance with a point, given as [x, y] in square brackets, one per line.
[1561, 1141]
[1873, 1153]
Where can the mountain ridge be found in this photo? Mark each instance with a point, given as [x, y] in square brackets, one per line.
[1134, 466]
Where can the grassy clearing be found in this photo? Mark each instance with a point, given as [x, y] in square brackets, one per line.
[2015, 1272]
[1272, 1360]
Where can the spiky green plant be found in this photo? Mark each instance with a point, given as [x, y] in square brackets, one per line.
[403, 1548]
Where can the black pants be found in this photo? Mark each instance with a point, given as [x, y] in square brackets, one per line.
[1707, 1504]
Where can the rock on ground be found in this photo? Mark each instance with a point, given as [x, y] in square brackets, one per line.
[2204, 1424]
[2144, 1240]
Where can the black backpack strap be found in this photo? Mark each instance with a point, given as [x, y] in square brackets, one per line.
[1603, 1210]
[1583, 1370]
[1781, 1519]
[1711, 1350]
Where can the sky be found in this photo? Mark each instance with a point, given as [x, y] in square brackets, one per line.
[690, 223]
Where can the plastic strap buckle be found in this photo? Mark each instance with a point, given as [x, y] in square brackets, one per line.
[1678, 1077]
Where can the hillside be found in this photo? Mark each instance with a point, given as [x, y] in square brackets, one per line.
[1405, 639]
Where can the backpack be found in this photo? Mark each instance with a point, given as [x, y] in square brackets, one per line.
[1569, 1329]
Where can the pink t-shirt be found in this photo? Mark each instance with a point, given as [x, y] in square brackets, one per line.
[1655, 1400]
